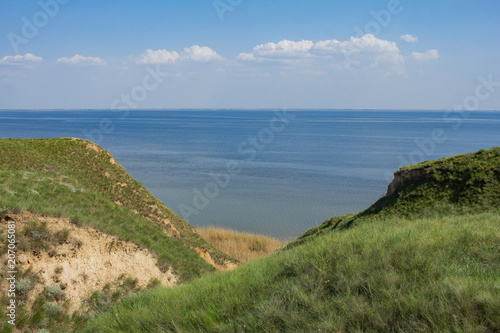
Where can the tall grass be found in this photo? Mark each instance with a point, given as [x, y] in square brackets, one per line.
[244, 247]
[431, 274]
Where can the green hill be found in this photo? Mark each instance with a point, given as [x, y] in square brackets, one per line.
[468, 183]
[427, 261]
[77, 179]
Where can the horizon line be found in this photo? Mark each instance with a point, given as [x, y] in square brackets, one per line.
[238, 109]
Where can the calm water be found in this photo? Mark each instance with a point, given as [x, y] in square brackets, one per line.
[292, 174]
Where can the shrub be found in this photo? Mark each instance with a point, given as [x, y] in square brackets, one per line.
[54, 293]
[23, 287]
[52, 310]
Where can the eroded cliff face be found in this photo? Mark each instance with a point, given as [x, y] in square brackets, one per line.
[84, 261]
[403, 177]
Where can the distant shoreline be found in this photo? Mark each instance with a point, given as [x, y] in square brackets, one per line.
[244, 110]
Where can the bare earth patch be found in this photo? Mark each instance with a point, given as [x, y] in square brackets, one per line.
[87, 260]
[227, 265]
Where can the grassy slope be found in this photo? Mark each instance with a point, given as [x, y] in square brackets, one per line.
[403, 271]
[468, 183]
[434, 274]
[77, 179]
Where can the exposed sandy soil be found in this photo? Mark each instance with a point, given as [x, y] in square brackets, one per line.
[205, 255]
[89, 259]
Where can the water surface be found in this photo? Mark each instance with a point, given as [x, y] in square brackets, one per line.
[317, 165]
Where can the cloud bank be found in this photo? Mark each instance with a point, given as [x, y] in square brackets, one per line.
[194, 53]
[20, 59]
[78, 59]
[355, 52]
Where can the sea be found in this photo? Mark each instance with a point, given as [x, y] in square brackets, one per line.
[272, 172]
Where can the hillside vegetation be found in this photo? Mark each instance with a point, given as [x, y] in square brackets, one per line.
[423, 258]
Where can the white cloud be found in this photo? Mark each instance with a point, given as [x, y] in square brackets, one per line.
[20, 59]
[246, 57]
[285, 49]
[200, 53]
[429, 55]
[78, 59]
[409, 38]
[150, 57]
[194, 53]
[366, 50]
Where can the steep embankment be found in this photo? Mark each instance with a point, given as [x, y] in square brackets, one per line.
[468, 183]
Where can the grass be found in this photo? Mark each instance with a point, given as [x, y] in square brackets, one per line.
[244, 247]
[433, 274]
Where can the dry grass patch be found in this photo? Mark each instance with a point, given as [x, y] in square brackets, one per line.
[242, 246]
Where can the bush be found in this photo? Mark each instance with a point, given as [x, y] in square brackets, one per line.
[52, 310]
[54, 293]
[23, 287]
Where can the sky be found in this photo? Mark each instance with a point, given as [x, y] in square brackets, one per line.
[249, 54]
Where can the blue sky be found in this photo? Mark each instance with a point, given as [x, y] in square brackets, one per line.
[67, 54]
